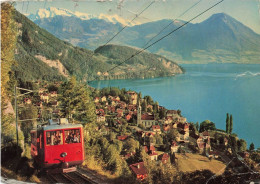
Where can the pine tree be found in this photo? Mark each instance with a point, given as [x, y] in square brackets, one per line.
[231, 124]
[197, 126]
[227, 123]
[252, 147]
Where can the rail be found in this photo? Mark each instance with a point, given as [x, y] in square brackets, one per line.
[72, 177]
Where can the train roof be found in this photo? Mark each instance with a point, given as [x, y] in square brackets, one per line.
[61, 126]
[57, 124]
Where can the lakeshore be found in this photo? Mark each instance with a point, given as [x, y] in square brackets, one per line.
[207, 92]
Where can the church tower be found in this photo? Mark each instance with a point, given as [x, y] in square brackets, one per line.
[139, 114]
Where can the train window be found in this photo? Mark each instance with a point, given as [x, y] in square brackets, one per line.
[72, 136]
[54, 137]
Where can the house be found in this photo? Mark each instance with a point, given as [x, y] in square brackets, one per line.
[39, 104]
[27, 101]
[128, 116]
[53, 94]
[164, 158]
[213, 154]
[96, 99]
[41, 90]
[225, 141]
[117, 98]
[133, 97]
[171, 112]
[244, 154]
[54, 103]
[101, 118]
[139, 170]
[166, 128]
[45, 97]
[128, 155]
[174, 147]
[56, 111]
[156, 128]
[120, 112]
[103, 99]
[168, 120]
[146, 119]
[183, 136]
[122, 105]
[151, 151]
[122, 137]
[153, 155]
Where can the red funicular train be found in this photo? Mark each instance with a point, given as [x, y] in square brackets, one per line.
[58, 146]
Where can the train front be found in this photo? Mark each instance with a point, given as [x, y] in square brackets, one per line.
[63, 146]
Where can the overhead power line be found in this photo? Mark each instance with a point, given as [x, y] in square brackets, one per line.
[101, 47]
[142, 50]
[173, 20]
[195, 4]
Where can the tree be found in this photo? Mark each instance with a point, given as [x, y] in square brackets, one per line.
[241, 144]
[207, 125]
[144, 106]
[158, 139]
[162, 113]
[131, 145]
[172, 135]
[8, 44]
[76, 102]
[231, 124]
[252, 147]
[227, 124]
[197, 126]
[28, 112]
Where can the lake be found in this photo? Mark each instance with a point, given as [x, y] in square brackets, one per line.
[207, 91]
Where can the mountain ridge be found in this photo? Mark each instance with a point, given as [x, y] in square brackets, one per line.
[220, 38]
[40, 55]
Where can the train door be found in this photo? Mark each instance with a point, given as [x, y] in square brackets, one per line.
[40, 146]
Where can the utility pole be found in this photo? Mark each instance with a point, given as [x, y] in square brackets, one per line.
[16, 118]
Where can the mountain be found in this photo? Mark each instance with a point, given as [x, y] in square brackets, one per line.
[83, 33]
[53, 11]
[220, 38]
[40, 55]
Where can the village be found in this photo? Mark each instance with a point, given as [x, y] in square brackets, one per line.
[165, 135]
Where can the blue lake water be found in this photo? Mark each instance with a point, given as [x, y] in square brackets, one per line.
[208, 91]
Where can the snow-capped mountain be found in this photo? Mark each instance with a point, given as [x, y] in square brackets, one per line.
[52, 12]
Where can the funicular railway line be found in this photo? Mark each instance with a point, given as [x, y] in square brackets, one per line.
[72, 177]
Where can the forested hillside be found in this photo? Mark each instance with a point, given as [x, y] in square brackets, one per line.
[40, 55]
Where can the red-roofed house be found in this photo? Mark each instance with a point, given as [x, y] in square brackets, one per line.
[53, 94]
[27, 101]
[139, 170]
[156, 128]
[96, 100]
[166, 128]
[164, 158]
[128, 117]
[122, 137]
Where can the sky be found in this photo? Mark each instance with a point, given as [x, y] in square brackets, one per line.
[245, 11]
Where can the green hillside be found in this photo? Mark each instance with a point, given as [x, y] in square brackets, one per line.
[40, 55]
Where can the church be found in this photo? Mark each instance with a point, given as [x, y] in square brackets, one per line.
[146, 119]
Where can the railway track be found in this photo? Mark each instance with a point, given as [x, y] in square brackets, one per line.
[72, 177]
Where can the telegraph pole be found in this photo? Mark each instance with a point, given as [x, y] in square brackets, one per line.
[16, 109]
[16, 118]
